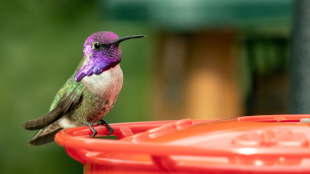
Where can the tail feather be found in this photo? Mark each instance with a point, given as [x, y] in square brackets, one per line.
[45, 135]
[43, 121]
[66, 104]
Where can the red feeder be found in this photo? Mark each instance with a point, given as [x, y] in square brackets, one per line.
[256, 144]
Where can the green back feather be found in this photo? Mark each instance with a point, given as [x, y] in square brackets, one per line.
[67, 89]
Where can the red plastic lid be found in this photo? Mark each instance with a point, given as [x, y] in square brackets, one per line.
[257, 144]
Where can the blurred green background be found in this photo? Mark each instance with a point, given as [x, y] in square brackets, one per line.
[41, 44]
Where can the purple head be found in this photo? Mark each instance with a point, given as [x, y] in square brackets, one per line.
[103, 52]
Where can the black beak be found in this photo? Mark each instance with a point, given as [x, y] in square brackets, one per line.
[119, 40]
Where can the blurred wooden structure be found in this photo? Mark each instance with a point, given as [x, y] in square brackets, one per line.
[197, 77]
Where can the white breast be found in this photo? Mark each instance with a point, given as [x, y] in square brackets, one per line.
[108, 83]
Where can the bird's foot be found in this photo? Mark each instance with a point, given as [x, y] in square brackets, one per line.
[111, 130]
[92, 129]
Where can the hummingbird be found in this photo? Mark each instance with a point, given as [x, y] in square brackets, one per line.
[89, 94]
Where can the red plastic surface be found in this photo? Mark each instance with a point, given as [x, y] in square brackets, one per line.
[257, 144]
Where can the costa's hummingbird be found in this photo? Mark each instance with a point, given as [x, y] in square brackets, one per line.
[89, 94]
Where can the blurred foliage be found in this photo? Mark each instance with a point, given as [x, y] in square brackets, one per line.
[194, 15]
[41, 45]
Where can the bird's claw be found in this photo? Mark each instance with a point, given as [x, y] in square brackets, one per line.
[111, 130]
[94, 134]
[92, 129]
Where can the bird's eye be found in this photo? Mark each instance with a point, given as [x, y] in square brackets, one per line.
[97, 46]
